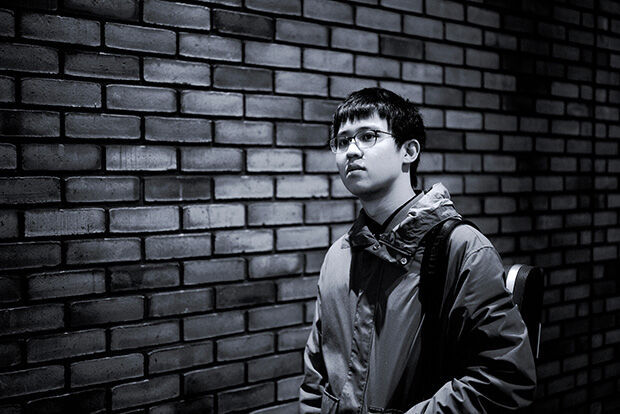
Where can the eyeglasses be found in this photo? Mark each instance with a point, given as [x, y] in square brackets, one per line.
[365, 138]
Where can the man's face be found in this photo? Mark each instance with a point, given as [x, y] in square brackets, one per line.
[370, 172]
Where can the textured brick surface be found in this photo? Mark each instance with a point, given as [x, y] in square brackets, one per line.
[168, 193]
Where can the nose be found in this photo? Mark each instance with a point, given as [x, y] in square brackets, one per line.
[353, 150]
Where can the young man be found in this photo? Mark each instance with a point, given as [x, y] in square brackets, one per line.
[367, 352]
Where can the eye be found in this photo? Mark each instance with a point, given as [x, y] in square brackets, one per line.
[342, 142]
[366, 136]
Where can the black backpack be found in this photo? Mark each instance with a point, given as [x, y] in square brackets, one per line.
[526, 283]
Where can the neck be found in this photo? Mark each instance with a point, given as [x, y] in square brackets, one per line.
[381, 205]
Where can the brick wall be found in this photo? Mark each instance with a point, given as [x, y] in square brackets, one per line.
[167, 195]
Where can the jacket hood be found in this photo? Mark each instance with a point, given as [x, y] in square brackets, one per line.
[424, 213]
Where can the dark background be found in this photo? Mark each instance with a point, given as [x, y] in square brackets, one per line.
[168, 196]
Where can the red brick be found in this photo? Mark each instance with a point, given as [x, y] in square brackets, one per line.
[497, 122]
[482, 142]
[102, 65]
[358, 40]
[65, 345]
[66, 283]
[288, 388]
[257, 293]
[499, 81]
[28, 58]
[329, 211]
[275, 366]
[208, 379]
[424, 27]
[209, 47]
[463, 162]
[516, 184]
[213, 324]
[483, 17]
[290, 7]
[145, 334]
[102, 250]
[61, 157]
[8, 224]
[96, 371]
[306, 186]
[463, 34]
[96, 311]
[243, 24]
[301, 83]
[341, 86]
[176, 14]
[377, 19]
[210, 271]
[209, 216]
[78, 125]
[275, 316]
[116, 9]
[146, 391]
[7, 22]
[29, 255]
[143, 219]
[274, 160]
[297, 288]
[267, 106]
[32, 380]
[144, 39]
[61, 92]
[337, 188]
[301, 32]
[320, 161]
[405, 5]
[275, 265]
[289, 238]
[176, 71]
[180, 302]
[422, 72]
[293, 134]
[445, 9]
[178, 246]
[293, 338]
[64, 222]
[8, 157]
[177, 188]
[97, 189]
[437, 52]
[211, 159]
[123, 278]
[30, 123]
[179, 357]
[272, 54]
[60, 29]
[243, 132]
[319, 110]
[328, 10]
[436, 95]
[243, 78]
[329, 61]
[141, 98]
[463, 120]
[237, 187]
[430, 162]
[463, 77]
[481, 184]
[377, 67]
[401, 47]
[245, 346]
[260, 214]
[243, 241]
[32, 318]
[10, 354]
[444, 140]
[498, 163]
[212, 103]
[517, 143]
[7, 89]
[140, 158]
[242, 399]
[10, 291]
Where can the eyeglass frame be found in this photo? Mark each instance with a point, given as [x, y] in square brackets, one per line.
[354, 138]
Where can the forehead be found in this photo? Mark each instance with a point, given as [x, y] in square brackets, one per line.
[372, 122]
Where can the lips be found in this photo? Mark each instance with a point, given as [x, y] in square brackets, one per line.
[353, 167]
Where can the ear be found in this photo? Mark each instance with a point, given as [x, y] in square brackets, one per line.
[412, 151]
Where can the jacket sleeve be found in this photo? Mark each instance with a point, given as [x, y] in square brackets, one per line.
[496, 371]
[311, 390]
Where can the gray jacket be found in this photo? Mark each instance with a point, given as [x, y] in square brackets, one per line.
[364, 351]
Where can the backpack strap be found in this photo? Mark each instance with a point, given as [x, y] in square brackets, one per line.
[434, 288]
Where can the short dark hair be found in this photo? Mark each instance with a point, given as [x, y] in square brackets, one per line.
[402, 116]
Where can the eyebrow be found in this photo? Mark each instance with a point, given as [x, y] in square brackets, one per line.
[346, 132]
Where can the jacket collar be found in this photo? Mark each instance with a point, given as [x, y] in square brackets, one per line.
[408, 228]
